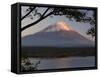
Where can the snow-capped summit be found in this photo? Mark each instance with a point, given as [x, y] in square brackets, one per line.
[60, 26]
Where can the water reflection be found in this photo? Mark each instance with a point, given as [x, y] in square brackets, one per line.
[71, 62]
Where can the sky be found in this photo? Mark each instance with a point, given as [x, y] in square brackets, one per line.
[77, 26]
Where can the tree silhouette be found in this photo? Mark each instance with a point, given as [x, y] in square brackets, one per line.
[28, 65]
[72, 14]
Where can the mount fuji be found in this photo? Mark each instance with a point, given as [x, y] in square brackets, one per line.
[57, 35]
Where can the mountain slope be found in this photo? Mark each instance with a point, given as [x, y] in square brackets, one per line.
[58, 35]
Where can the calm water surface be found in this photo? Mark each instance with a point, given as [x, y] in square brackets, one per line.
[71, 62]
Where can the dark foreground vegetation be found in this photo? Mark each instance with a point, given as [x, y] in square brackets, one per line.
[52, 52]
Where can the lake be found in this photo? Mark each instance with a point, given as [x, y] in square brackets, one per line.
[66, 62]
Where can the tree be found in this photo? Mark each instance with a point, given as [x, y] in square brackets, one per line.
[73, 14]
[27, 65]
